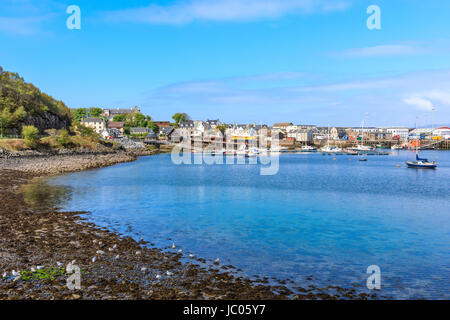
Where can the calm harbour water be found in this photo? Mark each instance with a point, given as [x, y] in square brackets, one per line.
[318, 218]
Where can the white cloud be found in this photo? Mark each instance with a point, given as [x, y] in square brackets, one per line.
[189, 11]
[381, 50]
[419, 102]
[441, 96]
[437, 99]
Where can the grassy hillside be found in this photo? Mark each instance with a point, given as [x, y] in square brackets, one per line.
[22, 102]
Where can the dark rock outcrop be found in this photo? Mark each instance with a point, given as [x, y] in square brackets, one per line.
[47, 121]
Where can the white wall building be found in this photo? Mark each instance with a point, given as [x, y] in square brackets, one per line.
[98, 124]
[443, 132]
[401, 132]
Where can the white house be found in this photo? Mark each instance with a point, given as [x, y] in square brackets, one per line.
[98, 124]
[401, 132]
[443, 132]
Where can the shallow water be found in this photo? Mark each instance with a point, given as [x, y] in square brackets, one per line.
[318, 218]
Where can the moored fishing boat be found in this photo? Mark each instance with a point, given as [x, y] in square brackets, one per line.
[420, 163]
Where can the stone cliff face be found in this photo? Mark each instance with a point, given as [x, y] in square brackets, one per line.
[47, 121]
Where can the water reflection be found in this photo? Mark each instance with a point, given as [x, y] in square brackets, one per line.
[41, 196]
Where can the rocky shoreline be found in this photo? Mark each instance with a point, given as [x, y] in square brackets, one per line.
[37, 244]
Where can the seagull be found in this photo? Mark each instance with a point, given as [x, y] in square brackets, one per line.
[216, 261]
[117, 257]
[143, 269]
[59, 264]
[191, 256]
[100, 252]
[158, 276]
[94, 259]
[33, 269]
[39, 267]
[138, 252]
[173, 245]
[4, 274]
[115, 246]
[169, 273]
[180, 251]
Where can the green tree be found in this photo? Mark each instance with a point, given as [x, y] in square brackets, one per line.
[120, 118]
[95, 112]
[64, 138]
[79, 114]
[153, 126]
[22, 98]
[222, 128]
[31, 135]
[139, 120]
[180, 117]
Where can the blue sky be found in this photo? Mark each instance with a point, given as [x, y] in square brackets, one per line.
[245, 61]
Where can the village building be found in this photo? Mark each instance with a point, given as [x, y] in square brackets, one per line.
[303, 136]
[140, 130]
[186, 129]
[282, 126]
[213, 123]
[398, 133]
[116, 125]
[165, 133]
[162, 124]
[442, 132]
[98, 124]
[111, 113]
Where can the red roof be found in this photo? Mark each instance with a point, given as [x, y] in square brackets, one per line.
[115, 125]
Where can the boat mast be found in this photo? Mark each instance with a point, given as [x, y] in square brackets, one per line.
[328, 136]
[417, 152]
[432, 121]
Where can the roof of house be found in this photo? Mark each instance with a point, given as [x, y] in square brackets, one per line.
[282, 124]
[167, 130]
[187, 123]
[214, 122]
[92, 120]
[115, 124]
[140, 129]
[162, 123]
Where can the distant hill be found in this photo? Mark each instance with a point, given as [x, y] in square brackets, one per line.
[22, 103]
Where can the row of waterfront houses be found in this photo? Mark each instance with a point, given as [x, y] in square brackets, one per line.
[286, 131]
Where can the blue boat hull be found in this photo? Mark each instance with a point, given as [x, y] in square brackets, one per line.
[421, 165]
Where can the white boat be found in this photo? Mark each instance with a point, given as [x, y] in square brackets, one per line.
[308, 149]
[398, 147]
[329, 149]
[362, 148]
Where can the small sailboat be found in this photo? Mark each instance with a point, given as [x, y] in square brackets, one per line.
[420, 163]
